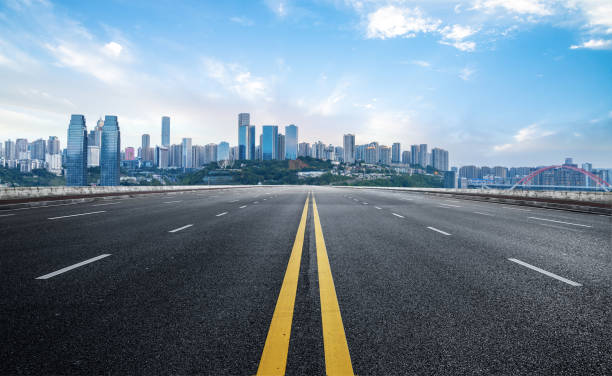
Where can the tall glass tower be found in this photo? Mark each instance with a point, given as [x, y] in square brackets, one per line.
[165, 131]
[76, 152]
[243, 147]
[269, 142]
[251, 148]
[291, 141]
[110, 153]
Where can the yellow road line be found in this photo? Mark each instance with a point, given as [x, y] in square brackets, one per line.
[274, 357]
[337, 357]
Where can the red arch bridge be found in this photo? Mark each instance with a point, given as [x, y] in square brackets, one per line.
[600, 182]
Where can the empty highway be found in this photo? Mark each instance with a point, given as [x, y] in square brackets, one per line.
[304, 281]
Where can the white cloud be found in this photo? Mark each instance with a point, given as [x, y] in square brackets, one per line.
[526, 135]
[112, 49]
[329, 105]
[526, 7]
[244, 21]
[458, 32]
[455, 35]
[466, 73]
[86, 62]
[598, 14]
[237, 80]
[421, 63]
[391, 22]
[279, 7]
[594, 44]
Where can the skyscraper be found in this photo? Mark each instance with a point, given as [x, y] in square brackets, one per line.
[21, 148]
[439, 158]
[244, 119]
[349, 148]
[76, 152]
[280, 147]
[269, 142]
[384, 155]
[146, 141]
[110, 152]
[165, 131]
[243, 145]
[423, 155]
[406, 157]
[130, 155]
[187, 159]
[53, 145]
[251, 143]
[38, 149]
[223, 150]
[9, 150]
[396, 153]
[414, 155]
[291, 142]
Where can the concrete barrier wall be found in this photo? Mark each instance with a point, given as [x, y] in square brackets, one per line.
[24, 193]
[574, 196]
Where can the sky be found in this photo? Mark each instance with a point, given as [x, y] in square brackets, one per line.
[495, 82]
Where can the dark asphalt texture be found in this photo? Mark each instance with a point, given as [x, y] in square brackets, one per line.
[200, 300]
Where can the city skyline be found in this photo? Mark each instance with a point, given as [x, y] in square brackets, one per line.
[431, 74]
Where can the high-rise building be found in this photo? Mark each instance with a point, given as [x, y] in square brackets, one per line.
[146, 141]
[251, 143]
[147, 153]
[450, 179]
[269, 142]
[21, 148]
[187, 159]
[165, 136]
[406, 157]
[95, 135]
[130, 154]
[385, 155]
[93, 156]
[349, 148]
[414, 154]
[76, 152]
[53, 145]
[175, 156]
[210, 153]
[9, 150]
[110, 152]
[161, 156]
[280, 147]
[223, 151]
[38, 149]
[396, 153]
[304, 149]
[243, 145]
[589, 168]
[244, 119]
[423, 162]
[439, 158]
[291, 142]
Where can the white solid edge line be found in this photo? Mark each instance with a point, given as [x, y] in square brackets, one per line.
[378, 208]
[452, 206]
[180, 228]
[397, 215]
[220, 214]
[64, 270]
[172, 202]
[552, 220]
[440, 231]
[77, 215]
[481, 213]
[243, 206]
[6, 215]
[553, 275]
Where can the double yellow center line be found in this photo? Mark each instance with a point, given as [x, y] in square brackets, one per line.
[337, 358]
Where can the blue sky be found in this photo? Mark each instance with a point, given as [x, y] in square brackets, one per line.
[510, 82]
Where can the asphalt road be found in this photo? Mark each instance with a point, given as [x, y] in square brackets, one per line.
[247, 280]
